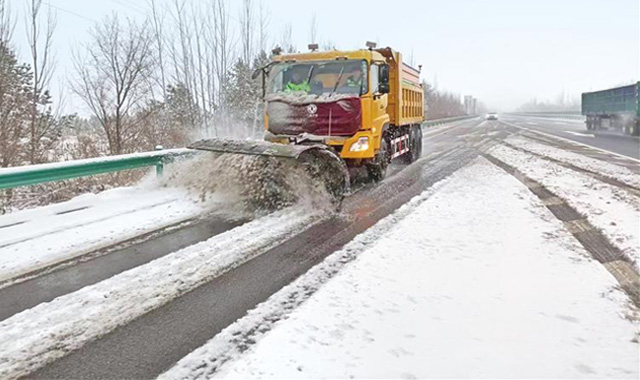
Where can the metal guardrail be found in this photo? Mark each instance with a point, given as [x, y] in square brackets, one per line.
[35, 174]
[431, 123]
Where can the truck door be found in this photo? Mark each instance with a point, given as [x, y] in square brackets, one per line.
[379, 115]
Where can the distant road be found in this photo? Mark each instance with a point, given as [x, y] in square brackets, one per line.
[575, 129]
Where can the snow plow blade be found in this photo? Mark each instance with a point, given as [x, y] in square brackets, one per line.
[321, 163]
[257, 148]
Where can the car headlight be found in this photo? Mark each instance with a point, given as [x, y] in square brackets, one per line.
[361, 145]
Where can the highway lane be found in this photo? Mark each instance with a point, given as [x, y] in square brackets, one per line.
[152, 343]
[97, 266]
[575, 130]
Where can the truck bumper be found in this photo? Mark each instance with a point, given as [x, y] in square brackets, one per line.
[359, 146]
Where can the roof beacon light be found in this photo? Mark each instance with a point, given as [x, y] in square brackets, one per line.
[371, 45]
[313, 47]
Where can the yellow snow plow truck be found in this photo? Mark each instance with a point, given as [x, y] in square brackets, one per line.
[335, 111]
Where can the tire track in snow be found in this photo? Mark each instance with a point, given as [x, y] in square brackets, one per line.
[590, 237]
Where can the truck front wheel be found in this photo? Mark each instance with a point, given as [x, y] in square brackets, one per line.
[377, 169]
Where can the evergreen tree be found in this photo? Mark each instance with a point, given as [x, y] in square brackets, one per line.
[15, 83]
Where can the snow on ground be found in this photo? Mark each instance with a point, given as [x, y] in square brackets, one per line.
[36, 238]
[36, 336]
[617, 172]
[607, 207]
[474, 278]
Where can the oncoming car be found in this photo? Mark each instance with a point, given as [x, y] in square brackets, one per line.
[492, 116]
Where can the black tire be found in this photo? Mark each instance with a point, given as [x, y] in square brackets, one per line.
[377, 169]
[418, 142]
[407, 158]
[415, 145]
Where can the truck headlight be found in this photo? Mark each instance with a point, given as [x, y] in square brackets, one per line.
[361, 145]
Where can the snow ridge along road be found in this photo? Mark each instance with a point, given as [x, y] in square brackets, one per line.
[620, 174]
[449, 276]
[32, 240]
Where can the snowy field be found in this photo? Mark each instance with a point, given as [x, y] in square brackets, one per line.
[473, 278]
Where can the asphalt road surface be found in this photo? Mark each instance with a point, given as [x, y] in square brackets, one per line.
[576, 130]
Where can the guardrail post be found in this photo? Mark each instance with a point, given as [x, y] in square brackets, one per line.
[160, 164]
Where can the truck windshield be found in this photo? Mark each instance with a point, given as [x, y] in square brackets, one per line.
[319, 78]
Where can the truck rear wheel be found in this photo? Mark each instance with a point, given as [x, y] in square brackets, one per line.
[415, 145]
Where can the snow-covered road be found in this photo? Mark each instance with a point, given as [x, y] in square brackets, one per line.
[36, 238]
[50, 330]
[474, 278]
[612, 209]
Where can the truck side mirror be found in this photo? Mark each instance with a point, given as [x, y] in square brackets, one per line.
[257, 72]
[383, 74]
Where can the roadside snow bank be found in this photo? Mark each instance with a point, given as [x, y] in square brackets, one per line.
[616, 172]
[607, 207]
[36, 336]
[36, 238]
[474, 278]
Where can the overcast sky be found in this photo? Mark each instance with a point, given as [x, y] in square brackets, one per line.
[504, 52]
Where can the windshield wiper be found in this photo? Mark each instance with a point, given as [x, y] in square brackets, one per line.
[310, 73]
[337, 81]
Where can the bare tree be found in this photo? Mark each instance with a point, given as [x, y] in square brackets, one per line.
[287, 38]
[220, 47]
[313, 30]
[246, 31]
[329, 45]
[113, 80]
[42, 66]
[6, 23]
[158, 37]
[263, 24]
